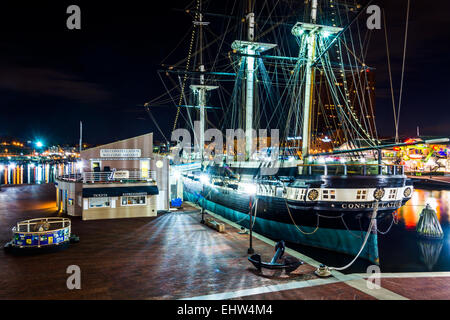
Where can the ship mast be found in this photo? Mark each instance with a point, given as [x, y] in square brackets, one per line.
[309, 33]
[250, 49]
[200, 90]
[249, 98]
[309, 89]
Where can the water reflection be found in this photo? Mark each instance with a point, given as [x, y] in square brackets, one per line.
[438, 200]
[430, 251]
[33, 173]
[402, 250]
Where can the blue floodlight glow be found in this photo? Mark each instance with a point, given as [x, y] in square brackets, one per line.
[39, 144]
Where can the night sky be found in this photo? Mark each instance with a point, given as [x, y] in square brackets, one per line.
[52, 77]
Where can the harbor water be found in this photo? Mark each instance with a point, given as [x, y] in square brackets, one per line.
[33, 173]
[400, 249]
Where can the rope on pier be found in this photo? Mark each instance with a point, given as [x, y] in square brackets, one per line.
[373, 219]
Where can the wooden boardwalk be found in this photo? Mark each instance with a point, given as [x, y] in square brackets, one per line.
[171, 256]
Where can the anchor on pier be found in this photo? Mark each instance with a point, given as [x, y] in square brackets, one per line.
[289, 264]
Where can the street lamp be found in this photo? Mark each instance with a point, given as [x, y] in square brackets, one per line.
[204, 179]
[251, 190]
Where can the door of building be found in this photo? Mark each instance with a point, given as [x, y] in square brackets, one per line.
[145, 169]
[96, 164]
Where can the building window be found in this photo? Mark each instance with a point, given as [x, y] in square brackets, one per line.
[99, 202]
[361, 195]
[134, 201]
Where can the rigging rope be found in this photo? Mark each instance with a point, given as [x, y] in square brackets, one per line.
[155, 122]
[187, 68]
[390, 71]
[403, 71]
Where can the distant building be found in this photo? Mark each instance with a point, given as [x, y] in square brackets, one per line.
[420, 158]
[123, 179]
[326, 121]
[10, 146]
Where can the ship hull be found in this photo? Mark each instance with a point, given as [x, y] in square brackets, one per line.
[340, 227]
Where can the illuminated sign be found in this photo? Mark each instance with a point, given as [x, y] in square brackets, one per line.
[136, 194]
[120, 153]
[118, 175]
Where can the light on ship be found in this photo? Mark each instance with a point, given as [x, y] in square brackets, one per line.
[204, 179]
[250, 189]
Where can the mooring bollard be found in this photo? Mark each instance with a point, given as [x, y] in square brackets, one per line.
[429, 226]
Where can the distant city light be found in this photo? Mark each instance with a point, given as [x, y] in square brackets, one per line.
[79, 165]
[11, 165]
[39, 144]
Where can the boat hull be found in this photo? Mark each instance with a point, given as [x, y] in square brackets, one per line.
[335, 226]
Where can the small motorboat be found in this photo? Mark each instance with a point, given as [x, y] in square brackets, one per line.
[41, 235]
[288, 264]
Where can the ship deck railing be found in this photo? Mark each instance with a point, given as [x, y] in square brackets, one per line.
[344, 169]
[311, 170]
[116, 176]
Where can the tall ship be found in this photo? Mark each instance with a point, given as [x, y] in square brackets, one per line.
[306, 166]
